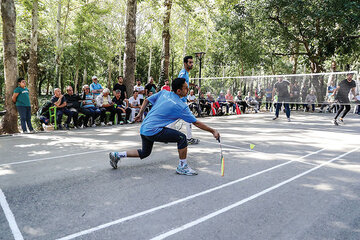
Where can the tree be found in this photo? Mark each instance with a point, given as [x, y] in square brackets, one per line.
[130, 46]
[165, 57]
[33, 62]
[8, 14]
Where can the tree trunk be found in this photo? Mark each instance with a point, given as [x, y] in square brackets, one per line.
[165, 56]
[76, 81]
[84, 76]
[109, 74]
[9, 123]
[150, 55]
[57, 53]
[33, 62]
[186, 36]
[130, 46]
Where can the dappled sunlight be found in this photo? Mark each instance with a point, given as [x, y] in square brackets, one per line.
[320, 186]
[167, 167]
[36, 153]
[209, 171]
[5, 170]
[26, 145]
[35, 232]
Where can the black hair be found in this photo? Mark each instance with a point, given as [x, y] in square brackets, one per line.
[20, 79]
[120, 77]
[177, 83]
[187, 58]
[135, 91]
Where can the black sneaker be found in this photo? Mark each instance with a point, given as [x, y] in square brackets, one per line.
[66, 126]
[60, 127]
[193, 141]
[335, 122]
[274, 118]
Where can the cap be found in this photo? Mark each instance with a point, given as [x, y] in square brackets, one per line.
[94, 77]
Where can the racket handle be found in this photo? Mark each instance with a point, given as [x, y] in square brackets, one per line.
[218, 139]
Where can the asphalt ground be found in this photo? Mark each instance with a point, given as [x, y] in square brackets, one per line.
[301, 181]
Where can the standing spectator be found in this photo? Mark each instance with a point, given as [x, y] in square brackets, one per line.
[104, 103]
[134, 103]
[268, 96]
[95, 87]
[121, 106]
[22, 101]
[240, 101]
[150, 87]
[295, 95]
[282, 89]
[120, 86]
[140, 89]
[166, 86]
[60, 103]
[230, 100]
[88, 107]
[343, 90]
[73, 104]
[310, 101]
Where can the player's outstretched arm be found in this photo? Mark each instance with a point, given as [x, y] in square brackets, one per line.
[142, 109]
[205, 127]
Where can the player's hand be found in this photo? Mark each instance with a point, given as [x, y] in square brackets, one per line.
[137, 118]
[216, 135]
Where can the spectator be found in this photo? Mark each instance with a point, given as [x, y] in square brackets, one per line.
[204, 104]
[240, 101]
[294, 96]
[73, 104]
[43, 113]
[22, 101]
[166, 86]
[150, 87]
[140, 89]
[95, 87]
[230, 100]
[134, 103]
[104, 103]
[222, 102]
[310, 100]
[252, 102]
[60, 103]
[88, 107]
[192, 103]
[259, 96]
[215, 105]
[268, 96]
[120, 86]
[121, 106]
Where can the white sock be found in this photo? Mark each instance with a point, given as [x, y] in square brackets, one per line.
[123, 154]
[182, 162]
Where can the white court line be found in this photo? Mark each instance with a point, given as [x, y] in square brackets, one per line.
[48, 158]
[10, 217]
[223, 210]
[121, 220]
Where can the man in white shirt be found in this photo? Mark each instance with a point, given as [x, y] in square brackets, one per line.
[134, 103]
[192, 102]
[140, 89]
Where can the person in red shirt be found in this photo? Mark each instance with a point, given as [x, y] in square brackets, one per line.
[166, 86]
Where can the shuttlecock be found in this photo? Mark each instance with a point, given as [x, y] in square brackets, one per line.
[252, 146]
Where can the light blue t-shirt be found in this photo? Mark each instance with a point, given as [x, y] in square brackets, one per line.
[167, 108]
[96, 86]
[184, 74]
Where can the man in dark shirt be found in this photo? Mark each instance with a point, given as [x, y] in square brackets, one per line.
[281, 87]
[73, 104]
[342, 96]
[120, 86]
[150, 87]
[59, 101]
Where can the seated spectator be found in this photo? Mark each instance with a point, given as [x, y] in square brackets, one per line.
[240, 101]
[121, 106]
[192, 103]
[149, 106]
[104, 103]
[204, 104]
[43, 113]
[95, 87]
[166, 86]
[140, 89]
[214, 105]
[310, 101]
[134, 103]
[60, 103]
[268, 97]
[230, 100]
[73, 104]
[222, 101]
[88, 107]
[252, 102]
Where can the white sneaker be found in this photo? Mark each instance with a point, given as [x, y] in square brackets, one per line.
[102, 124]
[94, 125]
[185, 170]
[289, 120]
[110, 123]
